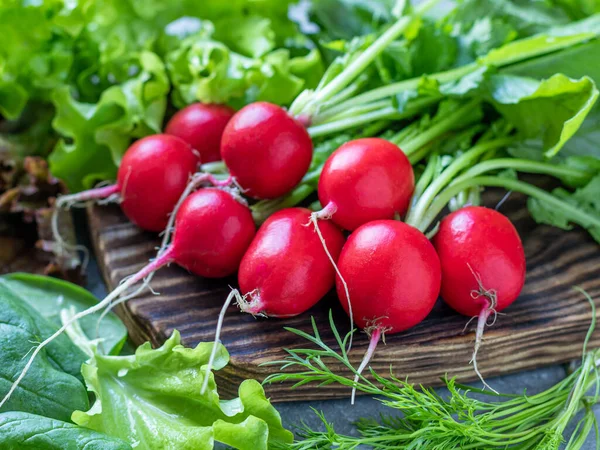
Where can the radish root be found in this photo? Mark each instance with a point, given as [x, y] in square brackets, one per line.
[62, 248]
[233, 294]
[325, 214]
[164, 259]
[255, 306]
[488, 309]
[374, 333]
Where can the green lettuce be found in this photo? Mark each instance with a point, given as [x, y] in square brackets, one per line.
[96, 135]
[206, 70]
[152, 400]
[102, 65]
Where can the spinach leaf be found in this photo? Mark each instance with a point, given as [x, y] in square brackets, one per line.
[24, 431]
[152, 399]
[51, 387]
[49, 295]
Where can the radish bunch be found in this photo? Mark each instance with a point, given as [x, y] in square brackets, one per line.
[368, 241]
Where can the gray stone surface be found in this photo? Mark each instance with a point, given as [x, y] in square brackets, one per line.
[340, 412]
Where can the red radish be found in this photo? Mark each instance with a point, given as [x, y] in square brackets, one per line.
[153, 174]
[483, 264]
[213, 230]
[201, 125]
[394, 278]
[285, 271]
[364, 180]
[266, 151]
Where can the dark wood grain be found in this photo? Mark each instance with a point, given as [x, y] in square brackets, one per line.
[546, 325]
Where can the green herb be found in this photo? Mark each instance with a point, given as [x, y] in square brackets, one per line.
[152, 400]
[23, 431]
[459, 421]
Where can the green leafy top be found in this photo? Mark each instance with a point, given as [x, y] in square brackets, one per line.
[152, 399]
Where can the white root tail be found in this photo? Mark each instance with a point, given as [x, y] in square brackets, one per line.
[233, 294]
[325, 214]
[481, 322]
[151, 267]
[489, 308]
[61, 247]
[374, 340]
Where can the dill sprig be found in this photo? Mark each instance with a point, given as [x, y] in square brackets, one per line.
[467, 418]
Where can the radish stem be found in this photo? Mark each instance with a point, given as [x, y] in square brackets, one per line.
[420, 209]
[304, 105]
[394, 89]
[577, 216]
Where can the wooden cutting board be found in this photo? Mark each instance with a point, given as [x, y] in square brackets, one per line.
[546, 325]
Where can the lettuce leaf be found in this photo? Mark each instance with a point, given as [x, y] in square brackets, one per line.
[97, 134]
[206, 70]
[152, 400]
[102, 64]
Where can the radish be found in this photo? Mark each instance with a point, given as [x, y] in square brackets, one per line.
[364, 180]
[153, 173]
[394, 278]
[266, 150]
[285, 271]
[201, 125]
[213, 230]
[483, 265]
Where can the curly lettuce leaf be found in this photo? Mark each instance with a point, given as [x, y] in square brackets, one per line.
[152, 400]
[36, 51]
[97, 134]
[345, 19]
[206, 70]
[24, 431]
